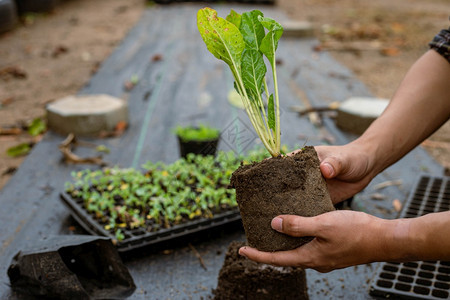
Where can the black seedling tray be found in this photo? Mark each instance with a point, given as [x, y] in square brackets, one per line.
[422, 279]
[139, 237]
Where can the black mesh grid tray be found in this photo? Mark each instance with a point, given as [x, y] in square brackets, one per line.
[139, 237]
[422, 279]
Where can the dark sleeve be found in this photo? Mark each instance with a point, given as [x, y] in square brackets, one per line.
[441, 43]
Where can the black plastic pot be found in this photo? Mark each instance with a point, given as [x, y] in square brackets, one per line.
[71, 267]
[8, 15]
[208, 147]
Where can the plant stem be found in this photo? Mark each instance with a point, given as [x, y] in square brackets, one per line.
[263, 112]
[277, 105]
[266, 90]
[254, 120]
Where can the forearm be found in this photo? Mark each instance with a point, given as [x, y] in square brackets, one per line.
[418, 108]
[422, 238]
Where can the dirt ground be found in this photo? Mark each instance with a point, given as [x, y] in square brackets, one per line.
[52, 55]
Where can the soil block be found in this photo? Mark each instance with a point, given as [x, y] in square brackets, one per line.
[241, 278]
[284, 185]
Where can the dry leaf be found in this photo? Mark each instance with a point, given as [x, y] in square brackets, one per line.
[397, 205]
[59, 50]
[6, 101]
[397, 27]
[13, 71]
[385, 184]
[156, 57]
[390, 51]
[119, 129]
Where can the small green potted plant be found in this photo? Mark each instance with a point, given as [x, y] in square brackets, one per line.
[200, 139]
[281, 184]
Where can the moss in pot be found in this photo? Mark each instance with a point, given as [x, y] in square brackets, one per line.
[281, 184]
[200, 139]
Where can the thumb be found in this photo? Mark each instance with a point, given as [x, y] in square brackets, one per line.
[330, 167]
[295, 225]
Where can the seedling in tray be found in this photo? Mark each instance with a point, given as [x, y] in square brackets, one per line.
[162, 196]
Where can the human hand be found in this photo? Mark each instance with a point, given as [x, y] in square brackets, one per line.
[347, 170]
[342, 239]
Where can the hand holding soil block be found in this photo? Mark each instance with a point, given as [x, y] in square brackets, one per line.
[283, 185]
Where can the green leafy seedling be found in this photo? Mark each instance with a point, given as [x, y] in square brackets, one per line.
[200, 133]
[242, 42]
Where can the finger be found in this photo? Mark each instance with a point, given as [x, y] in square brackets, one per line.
[330, 167]
[280, 258]
[295, 225]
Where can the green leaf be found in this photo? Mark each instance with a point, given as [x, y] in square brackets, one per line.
[252, 30]
[270, 24]
[102, 148]
[222, 38]
[234, 18]
[253, 72]
[19, 150]
[269, 43]
[37, 127]
[271, 113]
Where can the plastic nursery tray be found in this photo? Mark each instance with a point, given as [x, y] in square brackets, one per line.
[139, 237]
[422, 279]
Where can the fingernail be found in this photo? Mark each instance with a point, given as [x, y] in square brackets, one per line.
[277, 224]
[329, 168]
[242, 254]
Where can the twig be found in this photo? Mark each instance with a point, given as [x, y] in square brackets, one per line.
[387, 183]
[69, 156]
[11, 131]
[198, 256]
[304, 111]
[377, 196]
[350, 46]
[436, 144]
